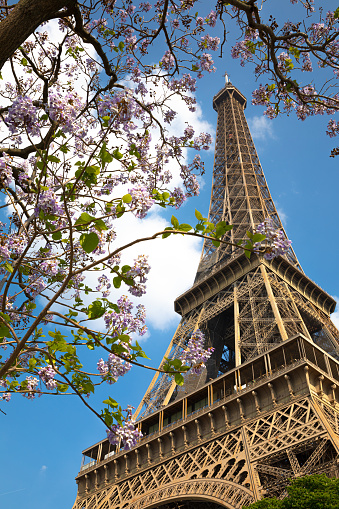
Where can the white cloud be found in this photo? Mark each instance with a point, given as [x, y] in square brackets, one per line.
[173, 262]
[43, 468]
[261, 128]
[283, 216]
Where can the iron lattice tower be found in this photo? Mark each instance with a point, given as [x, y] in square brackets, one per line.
[265, 408]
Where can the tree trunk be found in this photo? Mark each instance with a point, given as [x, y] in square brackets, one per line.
[21, 22]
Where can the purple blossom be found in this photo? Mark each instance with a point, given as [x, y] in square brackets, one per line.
[145, 6]
[179, 197]
[115, 366]
[211, 19]
[206, 63]
[195, 355]
[47, 375]
[275, 244]
[64, 111]
[22, 114]
[6, 175]
[332, 128]
[307, 64]
[30, 387]
[35, 285]
[141, 201]
[50, 267]
[124, 322]
[169, 115]
[167, 61]
[104, 285]
[49, 204]
[139, 270]
[128, 434]
[209, 42]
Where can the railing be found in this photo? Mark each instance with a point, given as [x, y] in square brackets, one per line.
[88, 465]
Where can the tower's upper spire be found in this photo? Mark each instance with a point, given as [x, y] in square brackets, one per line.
[240, 195]
[227, 79]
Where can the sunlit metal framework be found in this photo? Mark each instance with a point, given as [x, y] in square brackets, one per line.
[266, 408]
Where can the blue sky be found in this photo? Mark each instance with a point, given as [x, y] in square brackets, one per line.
[42, 440]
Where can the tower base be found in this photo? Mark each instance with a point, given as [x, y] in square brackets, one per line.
[238, 439]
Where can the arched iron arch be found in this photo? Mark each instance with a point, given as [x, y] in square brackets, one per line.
[224, 494]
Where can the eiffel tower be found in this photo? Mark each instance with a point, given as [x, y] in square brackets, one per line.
[266, 408]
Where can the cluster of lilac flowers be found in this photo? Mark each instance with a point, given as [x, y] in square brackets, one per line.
[6, 174]
[22, 114]
[49, 203]
[47, 375]
[12, 245]
[104, 285]
[275, 244]
[114, 367]
[32, 384]
[127, 434]
[50, 267]
[139, 270]
[35, 285]
[124, 322]
[195, 355]
[141, 201]
[5, 396]
[64, 110]
[167, 61]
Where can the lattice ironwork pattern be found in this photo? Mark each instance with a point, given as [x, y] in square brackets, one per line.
[229, 466]
[240, 195]
[266, 408]
[242, 321]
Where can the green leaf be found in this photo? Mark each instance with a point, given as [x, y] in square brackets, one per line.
[198, 215]
[117, 282]
[4, 331]
[127, 198]
[24, 61]
[105, 156]
[64, 149]
[95, 310]
[100, 225]
[117, 155]
[56, 236]
[174, 222]
[110, 402]
[84, 219]
[336, 13]
[89, 241]
[8, 267]
[62, 387]
[216, 243]
[184, 227]
[32, 362]
[179, 379]
[258, 237]
[53, 159]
